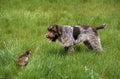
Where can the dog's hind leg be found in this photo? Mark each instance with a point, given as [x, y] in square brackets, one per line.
[88, 45]
[95, 43]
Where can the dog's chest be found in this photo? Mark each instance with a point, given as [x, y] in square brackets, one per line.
[66, 39]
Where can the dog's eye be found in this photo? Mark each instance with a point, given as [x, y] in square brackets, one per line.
[51, 30]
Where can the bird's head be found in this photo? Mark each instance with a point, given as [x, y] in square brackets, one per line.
[28, 52]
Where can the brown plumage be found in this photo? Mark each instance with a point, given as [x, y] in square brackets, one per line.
[23, 59]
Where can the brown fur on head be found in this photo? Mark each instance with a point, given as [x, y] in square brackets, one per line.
[54, 31]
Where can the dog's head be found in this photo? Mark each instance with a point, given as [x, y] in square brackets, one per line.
[54, 31]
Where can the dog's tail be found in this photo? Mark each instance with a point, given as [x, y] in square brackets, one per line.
[101, 27]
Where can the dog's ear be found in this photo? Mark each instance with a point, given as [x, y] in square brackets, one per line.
[52, 27]
[59, 29]
[55, 27]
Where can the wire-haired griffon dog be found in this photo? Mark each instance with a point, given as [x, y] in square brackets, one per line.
[69, 36]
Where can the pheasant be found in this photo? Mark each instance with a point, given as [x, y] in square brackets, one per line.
[23, 59]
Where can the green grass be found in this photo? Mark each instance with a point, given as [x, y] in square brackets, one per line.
[23, 25]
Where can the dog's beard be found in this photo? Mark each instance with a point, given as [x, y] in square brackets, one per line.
[53, 39]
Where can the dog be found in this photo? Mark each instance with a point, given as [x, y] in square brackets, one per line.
[69, 36]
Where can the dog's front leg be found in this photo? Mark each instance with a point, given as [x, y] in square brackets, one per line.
[69, 49]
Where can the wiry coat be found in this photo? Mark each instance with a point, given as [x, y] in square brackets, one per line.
[86, 35]
[70, 36]
[66, 38]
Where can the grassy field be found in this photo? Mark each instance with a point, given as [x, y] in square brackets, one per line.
[23, 25]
